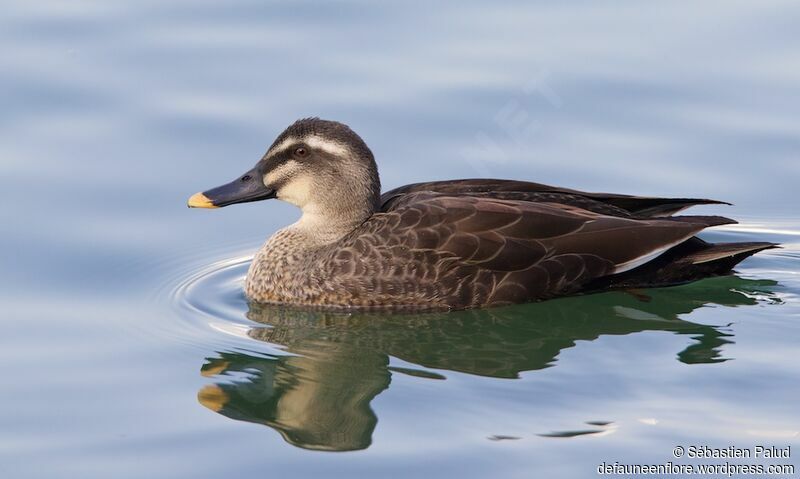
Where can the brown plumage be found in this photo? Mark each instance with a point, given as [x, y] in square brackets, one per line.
[455, 244]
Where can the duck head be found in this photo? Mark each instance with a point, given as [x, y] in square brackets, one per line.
[323, 167]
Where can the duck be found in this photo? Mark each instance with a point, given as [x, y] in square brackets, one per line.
[455, 244]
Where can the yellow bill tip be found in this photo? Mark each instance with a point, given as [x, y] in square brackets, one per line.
[212, 397]
[199, 200]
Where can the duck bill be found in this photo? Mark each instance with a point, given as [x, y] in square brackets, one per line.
[245, 189]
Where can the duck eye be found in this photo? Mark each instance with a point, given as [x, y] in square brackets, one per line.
[300, 151]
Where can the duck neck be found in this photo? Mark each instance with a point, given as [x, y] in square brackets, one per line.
[323, 224]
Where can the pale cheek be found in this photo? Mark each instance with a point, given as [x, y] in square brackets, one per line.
[297, 191]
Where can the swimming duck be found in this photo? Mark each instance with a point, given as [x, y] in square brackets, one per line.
[456, 244]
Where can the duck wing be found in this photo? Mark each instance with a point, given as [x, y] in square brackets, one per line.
[472, 251]
[604, 203]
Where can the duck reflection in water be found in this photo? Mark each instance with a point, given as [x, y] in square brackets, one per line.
[318, 396]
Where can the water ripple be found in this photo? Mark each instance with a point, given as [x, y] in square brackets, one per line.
[209, 300]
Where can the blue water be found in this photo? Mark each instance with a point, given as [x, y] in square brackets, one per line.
[129, 350]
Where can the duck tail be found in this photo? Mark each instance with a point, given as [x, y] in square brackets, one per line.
[691, 260]
[720, 258]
